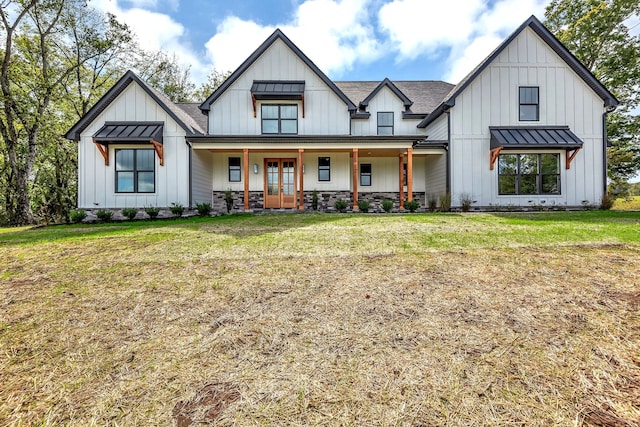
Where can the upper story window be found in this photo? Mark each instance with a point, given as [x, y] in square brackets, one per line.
[279, 119]
[324, 168]
[529, 174]
[135, 171]
[529, 100]
[235, 173]
[385, 123]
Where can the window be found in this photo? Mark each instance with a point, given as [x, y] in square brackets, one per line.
[529, 174]
[234, 169]
[279, 119]
[324, 168]
[365, 174]
[135, 171]
[529, 104]
[385, 123]
[404, 174]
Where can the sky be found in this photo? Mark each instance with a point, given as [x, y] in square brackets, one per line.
[347, 39]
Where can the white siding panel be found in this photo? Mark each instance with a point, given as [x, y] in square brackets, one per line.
[435, 175]
[437, 131]
[202, 162]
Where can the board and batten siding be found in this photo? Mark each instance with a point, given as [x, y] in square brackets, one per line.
[325, 112]
[96, 181]
[386, 101]
[492, 100]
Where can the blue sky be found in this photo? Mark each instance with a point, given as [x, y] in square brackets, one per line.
[347, 39]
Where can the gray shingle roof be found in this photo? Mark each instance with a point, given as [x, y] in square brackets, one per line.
[192, 109]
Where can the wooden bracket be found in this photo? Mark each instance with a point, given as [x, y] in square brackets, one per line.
[104, 150]
[159, 151]
[253, 102]
[493, 156]
[571, 154]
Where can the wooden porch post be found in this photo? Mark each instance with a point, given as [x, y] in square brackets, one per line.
[401, 180]
[246, 178]
[301, 174]
[355, 178]
[409, 174]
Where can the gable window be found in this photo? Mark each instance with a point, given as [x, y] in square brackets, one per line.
[385, 123]
[529, 100]
[135, 171]
[234, 169]
[521, 174]
[324, 168]
[279, 119]
[365, 174]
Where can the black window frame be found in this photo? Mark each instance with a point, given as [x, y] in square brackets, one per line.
[540, 175]
[279, 119]
[135, 170]
[324, 168]
[234, 168]
[364, 174]
[526, 100]
[385, 126]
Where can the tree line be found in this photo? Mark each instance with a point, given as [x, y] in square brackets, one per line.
[58, 57]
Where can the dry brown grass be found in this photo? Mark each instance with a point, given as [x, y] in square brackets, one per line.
[127, 329]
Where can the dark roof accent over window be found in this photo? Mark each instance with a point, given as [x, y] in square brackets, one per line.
[527, 137]
[129, 132]
[277, 89]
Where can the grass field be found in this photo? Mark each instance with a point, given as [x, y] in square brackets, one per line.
[627, 203]
[327, 319]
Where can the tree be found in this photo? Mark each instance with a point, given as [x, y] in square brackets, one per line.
[166, 74]
[214, 80]
[596, 32]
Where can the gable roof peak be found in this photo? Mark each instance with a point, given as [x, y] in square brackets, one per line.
[389, 84]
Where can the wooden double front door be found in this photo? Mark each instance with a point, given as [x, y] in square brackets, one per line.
[280, 183]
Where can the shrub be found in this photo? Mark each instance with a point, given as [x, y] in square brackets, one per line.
[204, 209]
[104, 215]
[152, 211]
[314, 200]
[130, 213]
[432, 203]
[412, 205]
[387, 205]
[364, 206]
[607, 202]
[445, 202]
[77, 215]
[176, 209]
[228, 199]
[341, 205]
[466, 201]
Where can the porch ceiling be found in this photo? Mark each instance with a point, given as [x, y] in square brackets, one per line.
[308, 143]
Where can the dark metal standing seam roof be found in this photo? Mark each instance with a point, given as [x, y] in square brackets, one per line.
[127, 132]
[281, 89]
[559, 137]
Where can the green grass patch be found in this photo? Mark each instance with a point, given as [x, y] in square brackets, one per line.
[627, 204]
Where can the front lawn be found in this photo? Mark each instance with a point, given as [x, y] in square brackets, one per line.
[324, 319]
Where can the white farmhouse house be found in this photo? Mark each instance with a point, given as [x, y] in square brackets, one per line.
[525, 127]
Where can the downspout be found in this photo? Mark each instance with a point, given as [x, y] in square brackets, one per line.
[448, 113]
[605, 144]
[190, 183]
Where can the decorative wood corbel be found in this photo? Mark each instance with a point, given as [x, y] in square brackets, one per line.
[493, 156]
[159, 148]
[104, 150]
[571, 154]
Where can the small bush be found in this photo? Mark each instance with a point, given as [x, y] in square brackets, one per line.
[314, 200]
[204, 209]
[152, 211]
[387, 205]
[104, 215]
[77, 215]
[130, 213]
[412, 205]
[466, 201]
[341, 205]
[445, 202]
[432, 203]
[176, 209]
[228, 200]
[363, 206]
[607, 202]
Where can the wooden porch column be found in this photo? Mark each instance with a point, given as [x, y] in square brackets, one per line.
[409, 174]
[246, 178]
[401, 180]
[301, 174]
[355, 178]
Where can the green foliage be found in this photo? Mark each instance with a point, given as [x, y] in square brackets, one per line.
[152, 211]
[214, 80]
[176, 209]
[445, 202]
[104, 215]
[411, 205]
[364, 206]
[314, 200]
[228, 200]
[341, 205]
[597, 34]
[129, 213]
[204, 209]
[432, 203]
[607, 202]
[387, 205]
[77, 215]
[466, 200]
